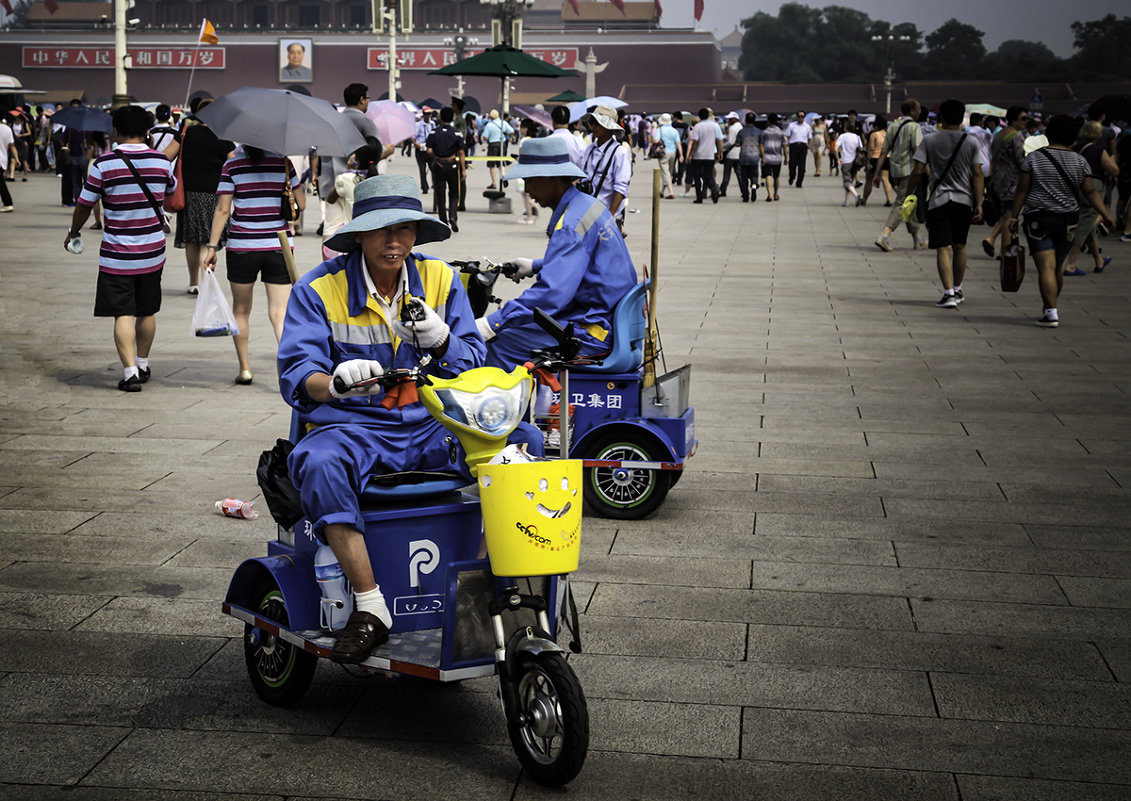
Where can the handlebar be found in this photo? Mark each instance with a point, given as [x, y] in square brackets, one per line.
[389, 379]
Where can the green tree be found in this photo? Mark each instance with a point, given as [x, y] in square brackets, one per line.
[780, 48]
[1102, 52]
[955, 50]
[1018, 60]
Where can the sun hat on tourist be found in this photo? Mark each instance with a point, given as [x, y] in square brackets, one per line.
[665, 119]
[544, 158]
[382, 201]
[605, 117]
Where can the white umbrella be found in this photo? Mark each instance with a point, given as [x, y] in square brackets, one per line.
[581, 108]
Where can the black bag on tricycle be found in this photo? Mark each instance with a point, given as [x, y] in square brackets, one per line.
[282, 498]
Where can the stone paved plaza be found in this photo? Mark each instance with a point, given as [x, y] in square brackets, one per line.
[898, 568]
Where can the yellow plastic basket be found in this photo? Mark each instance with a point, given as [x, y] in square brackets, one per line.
[532, 516]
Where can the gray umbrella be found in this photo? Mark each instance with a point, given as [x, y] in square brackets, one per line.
[281, 121]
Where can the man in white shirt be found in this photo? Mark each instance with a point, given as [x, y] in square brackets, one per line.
[560, 117]
[705, 145]
[798, 134]
[162, 134]
[730, 151]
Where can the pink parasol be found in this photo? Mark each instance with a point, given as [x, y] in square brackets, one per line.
[394, 122]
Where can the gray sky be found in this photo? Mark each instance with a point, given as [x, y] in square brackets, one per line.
[1037, 20]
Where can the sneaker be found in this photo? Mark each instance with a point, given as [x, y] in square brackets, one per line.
[131, 384]
[1125, 238]
[1045, 321]
[947, 301]
[959, 295]
[7, 208]
[193, 290]
[920, 242]
[143, 375]
[883, 244]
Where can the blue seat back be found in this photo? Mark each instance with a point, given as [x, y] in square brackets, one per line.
[629, 327]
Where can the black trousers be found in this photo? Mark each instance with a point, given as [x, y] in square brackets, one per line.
[748, 181]
[728, 166]
[446, 189]
[5, 195]
[703, 173]
[423, 161]
[798, 155]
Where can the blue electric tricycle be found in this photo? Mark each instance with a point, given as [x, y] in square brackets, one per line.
[633, 436]
[457, 613]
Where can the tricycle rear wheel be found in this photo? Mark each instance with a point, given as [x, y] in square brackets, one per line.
[625, 493]
[550, 728]
[279, 671]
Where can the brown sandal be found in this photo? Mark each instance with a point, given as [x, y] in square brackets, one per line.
[363, 632]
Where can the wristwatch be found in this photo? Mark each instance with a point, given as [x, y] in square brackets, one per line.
[212, 247]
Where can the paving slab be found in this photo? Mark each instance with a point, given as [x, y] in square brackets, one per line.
[890, 741]
[919, 650]
[1099, 705]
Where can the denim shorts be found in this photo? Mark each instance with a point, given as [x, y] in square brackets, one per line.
[1047, 230]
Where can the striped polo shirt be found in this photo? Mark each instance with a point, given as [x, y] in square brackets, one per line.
[133, 241]
[257, 193]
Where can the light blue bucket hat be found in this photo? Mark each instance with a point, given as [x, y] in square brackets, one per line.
[544, 158]
[385, 200]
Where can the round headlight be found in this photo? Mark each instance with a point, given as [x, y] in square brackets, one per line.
[492, 413]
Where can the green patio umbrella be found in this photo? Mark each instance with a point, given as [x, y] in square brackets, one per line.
[568, 96]
[504, 61]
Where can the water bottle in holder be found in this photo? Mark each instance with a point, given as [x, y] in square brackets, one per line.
[337, 596]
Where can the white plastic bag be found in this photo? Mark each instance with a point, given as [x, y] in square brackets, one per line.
[213, 316]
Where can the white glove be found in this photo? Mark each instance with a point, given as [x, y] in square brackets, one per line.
[525, 269]
[485, 329]
[428, 333]
[353, 371]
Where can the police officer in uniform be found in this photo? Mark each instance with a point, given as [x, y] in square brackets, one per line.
[449, 169]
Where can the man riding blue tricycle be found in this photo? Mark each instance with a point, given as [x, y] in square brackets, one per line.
[383, 564]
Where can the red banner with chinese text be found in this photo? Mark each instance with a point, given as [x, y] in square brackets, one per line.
[433, 58]
[204, 58]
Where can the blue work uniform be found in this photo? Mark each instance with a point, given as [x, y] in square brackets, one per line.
[585, 271]
[331, 319]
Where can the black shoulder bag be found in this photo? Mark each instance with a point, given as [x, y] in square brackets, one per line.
[160, 212]
[288, 207]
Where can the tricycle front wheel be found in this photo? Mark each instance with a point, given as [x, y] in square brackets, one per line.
[279, 671]
[550, 728]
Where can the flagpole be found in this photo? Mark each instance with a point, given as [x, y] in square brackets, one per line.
[195, 58]
[188, 89]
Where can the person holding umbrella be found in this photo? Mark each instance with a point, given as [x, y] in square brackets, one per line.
[249, 193]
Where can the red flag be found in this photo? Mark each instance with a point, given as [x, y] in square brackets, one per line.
[51, 5]
[698, 10]
[619, 4]
[659, 9]
[7, 5]
[576, 7]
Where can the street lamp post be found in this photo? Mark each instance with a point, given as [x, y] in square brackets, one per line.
[889, 39]
[385, 13]
[122, 61]
[460, 42]
[506, 29]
